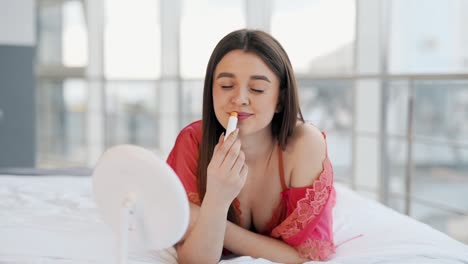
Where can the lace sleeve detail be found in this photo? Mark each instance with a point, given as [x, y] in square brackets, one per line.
[316, 249]
[300, 230]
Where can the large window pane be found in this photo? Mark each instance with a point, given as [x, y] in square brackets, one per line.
[203, 24]
[440, 177]
[440, 155]
[50, 26]
[132, 46]
[397, 108]
[441, 110]
[75, 36]
[61, 120]
[429, 36]
[317, 34]
[328, 105]
[397, 121]
[132, 113]
[441, 141]
[63, 37]
[192, 101]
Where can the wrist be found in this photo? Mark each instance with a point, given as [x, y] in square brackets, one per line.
[214, 204]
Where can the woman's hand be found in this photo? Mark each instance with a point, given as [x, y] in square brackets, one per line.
[227, 170]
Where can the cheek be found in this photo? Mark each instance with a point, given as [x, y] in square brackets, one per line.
[217, 95]
[220, 100]
[217, 106]
[267, 105]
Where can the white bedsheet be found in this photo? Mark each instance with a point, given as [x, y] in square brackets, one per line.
[54, 220]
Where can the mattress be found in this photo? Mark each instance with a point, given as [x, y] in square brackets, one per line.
[53, 219]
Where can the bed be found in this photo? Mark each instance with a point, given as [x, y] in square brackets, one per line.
[53, 219]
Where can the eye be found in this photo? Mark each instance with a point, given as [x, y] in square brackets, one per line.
[256, 90]
[226, 86]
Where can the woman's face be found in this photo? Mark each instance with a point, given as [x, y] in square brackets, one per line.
[242, 82]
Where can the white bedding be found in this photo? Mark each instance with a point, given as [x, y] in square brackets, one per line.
[54, 220]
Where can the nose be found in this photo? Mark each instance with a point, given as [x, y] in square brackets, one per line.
[240, 97]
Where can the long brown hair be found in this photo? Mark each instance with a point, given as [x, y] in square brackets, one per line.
[284, 121]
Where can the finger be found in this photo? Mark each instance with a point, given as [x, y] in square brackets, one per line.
[227, 144]
[240, 161]
[232, 155]
[243, 173]
[217, 159]
[231, 138]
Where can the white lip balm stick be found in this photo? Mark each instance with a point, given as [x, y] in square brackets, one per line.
[232, 124]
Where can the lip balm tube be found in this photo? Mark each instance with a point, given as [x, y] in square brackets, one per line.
[232, 124]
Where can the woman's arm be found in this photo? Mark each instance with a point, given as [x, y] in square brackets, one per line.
[226, 176]
[246, 243]
[204, 239]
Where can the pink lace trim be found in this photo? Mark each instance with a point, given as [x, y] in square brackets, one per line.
[309, 207]
[315, 249]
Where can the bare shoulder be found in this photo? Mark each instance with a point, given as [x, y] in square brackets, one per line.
[307, 150]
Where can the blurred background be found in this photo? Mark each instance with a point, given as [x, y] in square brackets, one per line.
[386, 79]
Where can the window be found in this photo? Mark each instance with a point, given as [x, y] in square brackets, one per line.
[132, 46]
[318, 35]
[429, 37]
[203, 24]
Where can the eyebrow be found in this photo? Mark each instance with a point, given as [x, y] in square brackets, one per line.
[225, 74]
[253, 77]
[260, 77]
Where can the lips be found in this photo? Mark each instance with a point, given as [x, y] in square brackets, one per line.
[243, 116]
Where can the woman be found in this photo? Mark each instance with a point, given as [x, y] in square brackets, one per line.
[267, 189]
